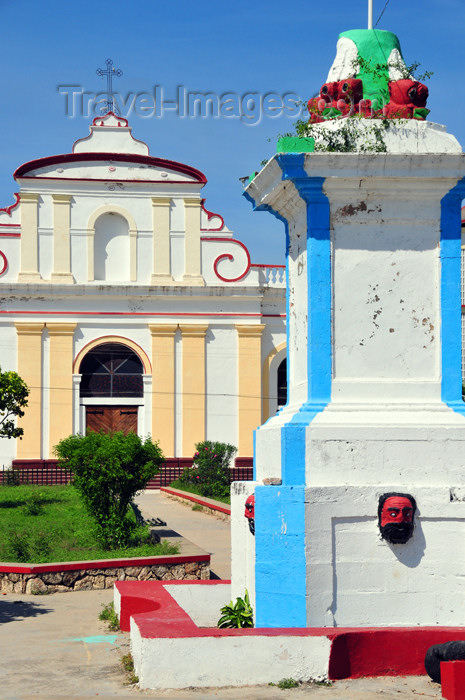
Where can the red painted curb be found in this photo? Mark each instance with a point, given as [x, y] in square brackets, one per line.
[355, 651]
[196, 499]
[101, 564]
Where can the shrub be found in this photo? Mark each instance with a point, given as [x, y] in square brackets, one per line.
[210, 471]
[109, 470]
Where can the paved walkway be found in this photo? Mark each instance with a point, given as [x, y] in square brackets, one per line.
[206, 531]
[55, 647]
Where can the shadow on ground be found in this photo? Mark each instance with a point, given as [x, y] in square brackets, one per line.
[12, 610]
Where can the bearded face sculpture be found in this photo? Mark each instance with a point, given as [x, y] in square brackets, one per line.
[250, 513]
[396, 512]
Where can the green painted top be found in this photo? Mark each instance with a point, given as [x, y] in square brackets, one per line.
[375, 46]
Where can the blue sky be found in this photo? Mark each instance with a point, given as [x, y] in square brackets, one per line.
[218, 47]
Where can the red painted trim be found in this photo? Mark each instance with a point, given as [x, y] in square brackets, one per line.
[211, 215]
[22, 171]
[283, 267]
[9, 209]
[355, 652]
[196, 499]
[452, 679]
[228, 256]
[130, 313]
[108, 114]
[5, 263]
[10, 235]
[102, 179]
[101, 563]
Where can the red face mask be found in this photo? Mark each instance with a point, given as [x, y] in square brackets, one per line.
[396, 509]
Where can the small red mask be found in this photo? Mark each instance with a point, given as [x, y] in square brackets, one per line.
[397, 509]
[250, 507]
[250, 512]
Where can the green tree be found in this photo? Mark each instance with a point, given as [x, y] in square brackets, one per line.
[13, 398]
[109, 470]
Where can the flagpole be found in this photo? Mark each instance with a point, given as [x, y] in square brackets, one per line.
[370, 14]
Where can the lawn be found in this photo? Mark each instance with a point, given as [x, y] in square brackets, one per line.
[41, 524]
[192, 488]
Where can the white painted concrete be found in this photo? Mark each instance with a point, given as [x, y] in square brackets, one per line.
[242, 543]
[385, 427]
[202, 603]
[235, 661]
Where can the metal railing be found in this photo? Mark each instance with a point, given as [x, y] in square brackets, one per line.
[46, 472]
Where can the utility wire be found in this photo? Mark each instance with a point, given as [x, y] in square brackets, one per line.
[382, 13]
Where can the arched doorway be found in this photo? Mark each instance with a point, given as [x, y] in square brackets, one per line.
[113, 373]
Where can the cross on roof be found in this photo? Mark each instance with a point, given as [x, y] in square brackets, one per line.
[110, 72]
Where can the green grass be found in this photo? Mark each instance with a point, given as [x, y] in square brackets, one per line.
[192, 488]
[41, 524]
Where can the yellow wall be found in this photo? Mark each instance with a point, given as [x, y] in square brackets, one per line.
[249, 385]
[30, 369]
[193, 387]
[266, 388]
[61, 381]
[163, 399]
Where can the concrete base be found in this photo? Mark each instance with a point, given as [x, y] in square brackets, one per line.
[175, 621]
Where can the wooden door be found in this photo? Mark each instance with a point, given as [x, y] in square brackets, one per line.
[112, 418]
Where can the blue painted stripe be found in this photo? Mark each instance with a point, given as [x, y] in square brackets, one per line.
[280, 556]
[450, 298]
[319, 347]
[280, 565]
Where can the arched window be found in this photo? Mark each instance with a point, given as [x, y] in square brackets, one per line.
[282, 383]
[111, 370]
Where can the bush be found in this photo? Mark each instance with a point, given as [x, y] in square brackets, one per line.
[109, 470]
[210, 471]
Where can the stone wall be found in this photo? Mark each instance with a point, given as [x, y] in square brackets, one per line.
[91, 579]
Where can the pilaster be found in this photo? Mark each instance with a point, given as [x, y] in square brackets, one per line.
[193, 386]
[161, 265]
[249, 384]
[30, 369]
[29, 271]
[163, 389]
[193, 262]
[61, 239]
[61, 381]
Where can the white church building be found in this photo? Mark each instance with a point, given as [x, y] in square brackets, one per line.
[126, 304]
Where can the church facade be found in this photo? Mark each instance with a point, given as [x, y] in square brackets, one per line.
[127, 305]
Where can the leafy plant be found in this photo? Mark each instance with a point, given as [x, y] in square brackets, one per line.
[349, 137]
[17, 546]
[11, 477]
[109, 470]
[13, 398]
[286, 683]
[127, 663]
[210, 471]
[108, 614]
[196, 506]
[238, 614]
[35, 504]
